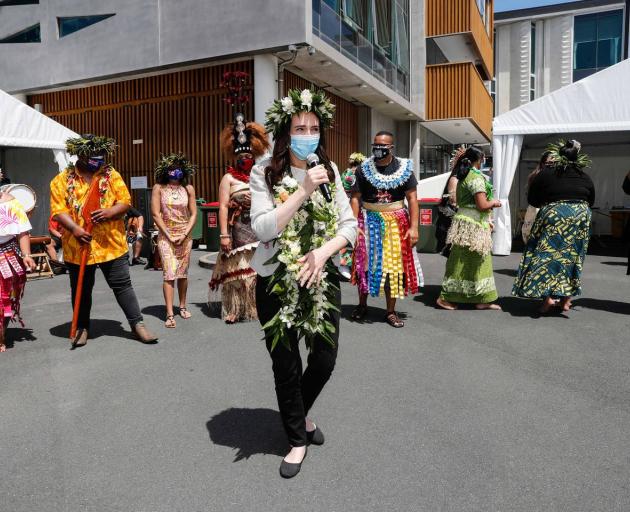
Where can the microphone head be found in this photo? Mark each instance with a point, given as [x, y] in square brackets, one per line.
[312, 160]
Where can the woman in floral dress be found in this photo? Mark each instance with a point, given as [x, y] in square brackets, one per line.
[174, 213]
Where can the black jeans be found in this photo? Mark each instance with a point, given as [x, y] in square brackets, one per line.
[116, 274]
[296, 390]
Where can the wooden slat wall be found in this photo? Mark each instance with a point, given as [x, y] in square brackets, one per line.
[456, 91]
[343, 138]
[445, 17]
[181, 111]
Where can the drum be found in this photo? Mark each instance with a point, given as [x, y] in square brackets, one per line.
[23, 193]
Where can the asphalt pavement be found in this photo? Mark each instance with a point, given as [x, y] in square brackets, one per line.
[458, 411]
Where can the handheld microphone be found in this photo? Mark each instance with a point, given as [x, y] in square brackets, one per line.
[312, 160]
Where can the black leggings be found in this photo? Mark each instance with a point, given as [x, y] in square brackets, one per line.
[296, 390]
[116, 274]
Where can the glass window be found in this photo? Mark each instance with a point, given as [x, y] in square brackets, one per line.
[28, 35]
[532, 61]
[597, 42]
[18, 2]
[69, 26]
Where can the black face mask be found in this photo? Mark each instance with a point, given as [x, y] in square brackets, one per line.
[380, 152]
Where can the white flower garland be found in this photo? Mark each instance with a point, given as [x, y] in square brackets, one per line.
[302, 309]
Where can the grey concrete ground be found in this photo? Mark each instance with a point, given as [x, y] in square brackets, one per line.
[458, 411]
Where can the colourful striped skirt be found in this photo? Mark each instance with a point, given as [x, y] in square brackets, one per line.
[382, 257]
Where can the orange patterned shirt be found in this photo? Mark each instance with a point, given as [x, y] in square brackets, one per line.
[109, 239]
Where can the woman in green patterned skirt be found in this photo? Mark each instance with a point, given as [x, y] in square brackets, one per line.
[551, 267]
[469, 277]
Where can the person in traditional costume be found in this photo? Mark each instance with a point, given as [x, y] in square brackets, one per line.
[302, 217]
[70, 192]
[469, 276]
[385, 258]
[348, 178]
[233, 282]
[448, 204]
[532, 211]
[174, 212]
[551, 266]
[15, 260]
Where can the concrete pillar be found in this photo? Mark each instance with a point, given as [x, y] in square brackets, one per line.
[414, 145]
[265, 84]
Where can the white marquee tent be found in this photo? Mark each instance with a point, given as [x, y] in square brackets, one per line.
[596, 104]
[23, 127]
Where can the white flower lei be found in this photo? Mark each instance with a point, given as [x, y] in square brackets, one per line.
[302, 309]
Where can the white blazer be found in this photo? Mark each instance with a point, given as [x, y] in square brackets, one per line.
[264, 216]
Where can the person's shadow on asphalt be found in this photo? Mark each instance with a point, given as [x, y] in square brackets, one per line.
[98, 327]
[249, 432]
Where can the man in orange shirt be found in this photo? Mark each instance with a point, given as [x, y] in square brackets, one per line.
[108, 243]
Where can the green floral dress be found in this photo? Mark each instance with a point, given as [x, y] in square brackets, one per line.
[469, 277]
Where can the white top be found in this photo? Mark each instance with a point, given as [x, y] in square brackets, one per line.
[264, 217]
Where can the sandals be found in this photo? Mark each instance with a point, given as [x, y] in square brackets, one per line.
[184, 313]
[170, 322]
[359, 313]
[394, 320]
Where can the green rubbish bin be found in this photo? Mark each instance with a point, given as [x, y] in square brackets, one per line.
[197, 231]
[211, 228]
[427, 243]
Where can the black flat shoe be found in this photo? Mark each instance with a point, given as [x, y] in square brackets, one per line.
[289, 470]
[315, 437]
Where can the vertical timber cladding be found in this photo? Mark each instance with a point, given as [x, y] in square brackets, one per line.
[343, 138]
[182, 111]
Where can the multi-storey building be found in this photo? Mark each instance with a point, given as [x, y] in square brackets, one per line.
[542, 49]
[459, 69]
[148, 72]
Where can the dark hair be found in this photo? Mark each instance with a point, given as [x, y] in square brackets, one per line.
[163, 178]
[473, 154]
[281, 157]
[542, 163]
[384, 133]
[570, 150]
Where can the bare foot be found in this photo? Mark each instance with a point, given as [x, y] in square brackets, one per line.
[170, 322]
[566, 304]
[296, 455]
[441, 303]
[547, 305]
[184, 313]
[3, 348]
[230, 319]
[310, 426]
[488, 307]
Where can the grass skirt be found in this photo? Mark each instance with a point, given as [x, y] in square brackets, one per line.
[12, 283]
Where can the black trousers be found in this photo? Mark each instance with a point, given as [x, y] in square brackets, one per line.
[297, 390]
[116, 274]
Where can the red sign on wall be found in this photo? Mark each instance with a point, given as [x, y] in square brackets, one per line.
[426, 216]
[212, 220]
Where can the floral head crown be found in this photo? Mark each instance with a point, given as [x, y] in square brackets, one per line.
[357, 158]
[89, 145]
[171, 161]
[280, 113]
[583, 161]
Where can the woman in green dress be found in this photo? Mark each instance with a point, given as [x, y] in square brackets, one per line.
[469, 277]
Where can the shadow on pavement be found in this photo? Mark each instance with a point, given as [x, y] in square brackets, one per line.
[157, 311]
[214, 312]
[429, 294]
[98, 328]
[506, 272]
[249, 431]
[374, 314]
[18, 335]
[612, 306]
[615, 263]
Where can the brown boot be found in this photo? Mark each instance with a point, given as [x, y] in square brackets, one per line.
[81, 338]
[143, 334]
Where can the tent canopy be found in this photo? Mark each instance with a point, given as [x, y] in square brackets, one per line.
[23, 127]
[598, 103]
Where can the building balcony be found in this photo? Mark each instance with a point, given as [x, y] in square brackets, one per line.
[459, 108]
[461, 31]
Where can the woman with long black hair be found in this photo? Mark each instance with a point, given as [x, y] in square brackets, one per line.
[532, 211]
[297, 290]
[469, 276]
